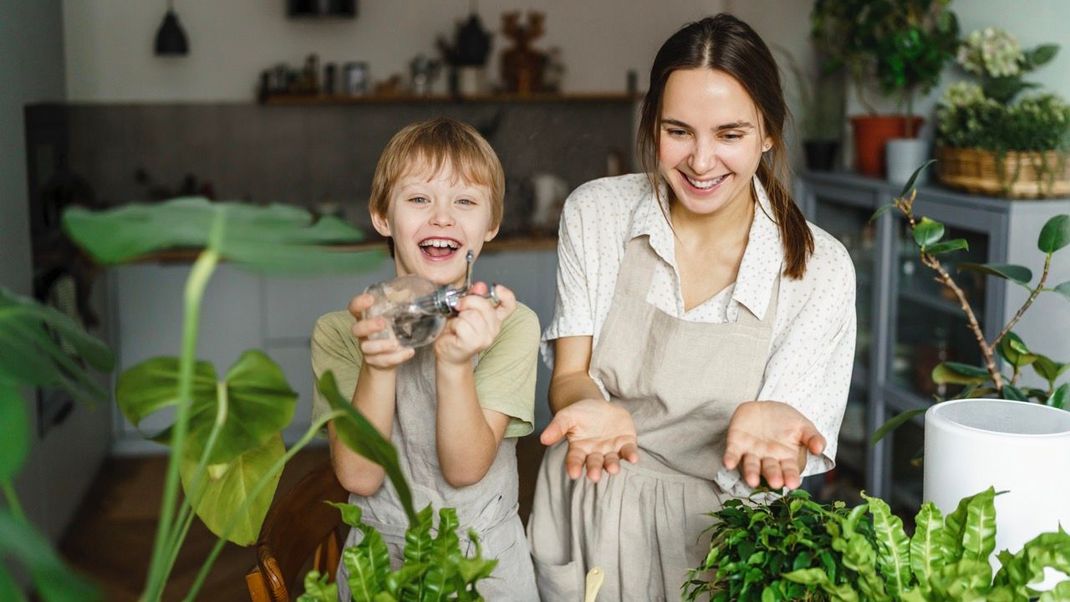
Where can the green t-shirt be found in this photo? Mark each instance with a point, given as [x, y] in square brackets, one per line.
[505, 374]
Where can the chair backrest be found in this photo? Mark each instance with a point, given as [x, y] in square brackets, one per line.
[299, 526]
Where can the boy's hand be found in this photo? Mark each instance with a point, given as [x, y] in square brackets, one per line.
[379, 354]
[476, 326]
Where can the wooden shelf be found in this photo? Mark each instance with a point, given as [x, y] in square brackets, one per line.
[314, 100]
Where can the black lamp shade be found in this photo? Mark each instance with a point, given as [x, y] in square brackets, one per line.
[171, 38]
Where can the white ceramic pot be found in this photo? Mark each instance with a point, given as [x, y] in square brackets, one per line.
[1017, 447]
[903, 157]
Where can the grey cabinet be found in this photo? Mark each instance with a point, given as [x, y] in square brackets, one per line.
[245, 311]
[907, 322]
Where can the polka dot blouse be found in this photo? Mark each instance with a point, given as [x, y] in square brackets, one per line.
[813, 339]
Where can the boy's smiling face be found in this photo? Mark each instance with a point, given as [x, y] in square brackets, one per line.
[435, 218]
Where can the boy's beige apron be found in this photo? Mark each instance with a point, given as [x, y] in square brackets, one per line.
[489, 506]
[681, 381]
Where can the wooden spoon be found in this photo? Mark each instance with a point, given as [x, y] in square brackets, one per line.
[594, 583]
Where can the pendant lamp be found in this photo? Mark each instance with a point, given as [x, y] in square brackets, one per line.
[171, 38]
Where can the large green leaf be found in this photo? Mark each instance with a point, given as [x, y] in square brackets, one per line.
[41, 346]
[965, 579]
[8, 589]
[979, 532]
[1060, 397]
[317, 589]
[1055, 234]
[1049, 369]
[277, 238]
[225, 487]
[927, 232]
[260, 402]
[958, 374]
[893, 547]
[1015, 351]
[15, 441]
[55, 581]
[927, 553]
[354, 430]
[1017, 273]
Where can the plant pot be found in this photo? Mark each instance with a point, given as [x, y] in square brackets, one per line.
[1017, 447]
[872, 133]
[1012, 175]
[820, 154]
[903, 156]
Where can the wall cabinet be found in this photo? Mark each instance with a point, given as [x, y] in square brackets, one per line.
[908, 322]
[243, 311]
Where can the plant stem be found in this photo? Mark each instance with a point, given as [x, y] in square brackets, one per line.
[195, 489]
[12, 498]
[1029, 301]
[253, 492]
[195, 285]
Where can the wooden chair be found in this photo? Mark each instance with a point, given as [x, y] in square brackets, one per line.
[299, 526]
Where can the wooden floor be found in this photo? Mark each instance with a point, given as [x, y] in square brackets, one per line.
[111, 541]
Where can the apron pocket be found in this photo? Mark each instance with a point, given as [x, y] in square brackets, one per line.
[559, 582]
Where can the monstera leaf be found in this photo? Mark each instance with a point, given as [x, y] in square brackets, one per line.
[226, 488]
[258, 402]
[273, 239]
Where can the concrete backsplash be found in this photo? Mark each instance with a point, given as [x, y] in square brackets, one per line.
[309, 154]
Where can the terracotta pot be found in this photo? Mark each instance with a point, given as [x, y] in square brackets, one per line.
[872, 133]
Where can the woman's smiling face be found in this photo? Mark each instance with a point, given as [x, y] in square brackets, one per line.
[710, 140]
[435, 218]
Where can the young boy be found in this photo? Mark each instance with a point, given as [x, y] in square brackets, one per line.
[454, 408]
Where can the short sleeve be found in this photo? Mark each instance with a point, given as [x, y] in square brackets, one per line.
[505, 375]
[573, 310]
[334, 348]
[810, 365]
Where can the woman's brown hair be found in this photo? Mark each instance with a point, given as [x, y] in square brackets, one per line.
[727, 44]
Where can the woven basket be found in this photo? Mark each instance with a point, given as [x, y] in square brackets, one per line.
[980, 171]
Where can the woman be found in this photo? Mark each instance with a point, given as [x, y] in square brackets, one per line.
[704, 331]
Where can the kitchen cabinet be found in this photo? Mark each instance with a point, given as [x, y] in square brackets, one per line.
[243, 311]
[907, 322]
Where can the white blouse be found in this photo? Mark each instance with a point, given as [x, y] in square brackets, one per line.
[812, 345]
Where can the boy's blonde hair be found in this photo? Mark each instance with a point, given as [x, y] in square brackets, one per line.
[433, 143]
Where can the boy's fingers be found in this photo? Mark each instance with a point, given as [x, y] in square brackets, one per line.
[507, 299]
[390, 360]
[376, 346]
[366, 328]
[361, 302]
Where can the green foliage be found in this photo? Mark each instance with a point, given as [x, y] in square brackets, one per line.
[754, 545]
[434, 565]
[903, 44]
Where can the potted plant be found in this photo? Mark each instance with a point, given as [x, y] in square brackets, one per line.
[795, 549]
[993, 140]
[821, 106]
[902, 45]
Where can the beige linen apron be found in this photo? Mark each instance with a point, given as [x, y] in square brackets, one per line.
[489, 507]
[681, 381]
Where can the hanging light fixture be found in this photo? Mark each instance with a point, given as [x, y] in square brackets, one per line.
[171, 38]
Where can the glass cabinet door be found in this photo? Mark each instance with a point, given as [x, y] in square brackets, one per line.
[930, 325]
[906, 471]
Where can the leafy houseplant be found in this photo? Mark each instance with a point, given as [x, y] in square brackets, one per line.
[226, 449]
[864, 554]
[901, 45]
[994, 142]
[39, 347]
[989, 380]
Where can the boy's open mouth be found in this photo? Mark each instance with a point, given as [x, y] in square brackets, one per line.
[439, 248]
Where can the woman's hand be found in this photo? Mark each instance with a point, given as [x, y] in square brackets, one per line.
[599, 435]
[379, 354]
[770, 439]
[476, 325]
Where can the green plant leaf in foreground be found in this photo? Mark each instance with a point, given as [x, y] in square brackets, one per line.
[893, 547]
[273, 239]
[927, 232]
[15, 442]
[927, 553]
[979, 532]
[260, 402]
[31, 355]
[54, 581]
[362, 437]
[226, 486]
[318, 590]
[1016, 273]
[1055, 234]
